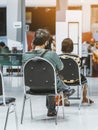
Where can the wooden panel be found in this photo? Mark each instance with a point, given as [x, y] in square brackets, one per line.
[86, 36]
[74, 7]
[94, 6]
[94, 18]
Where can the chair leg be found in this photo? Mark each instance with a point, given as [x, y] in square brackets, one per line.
[81, 93]
[56, 119]
[23, 108]
[59, 99]
[77, 91]
[63, 106]
[31, 109]
[6, 118]
[16, 118]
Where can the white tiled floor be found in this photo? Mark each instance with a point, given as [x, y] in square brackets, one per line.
[84, 119]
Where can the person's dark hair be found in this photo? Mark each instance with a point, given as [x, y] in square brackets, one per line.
[2, 44]
[67, 45]
[49, 43]
[41, 36]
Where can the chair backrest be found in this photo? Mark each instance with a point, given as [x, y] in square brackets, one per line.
[40, 76]
[1, 90]
[2, 87]
[71, 69]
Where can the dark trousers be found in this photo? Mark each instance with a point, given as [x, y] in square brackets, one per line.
[50, 102]
[83, 79]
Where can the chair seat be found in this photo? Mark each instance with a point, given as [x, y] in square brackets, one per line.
[8, 100]
[40, 92]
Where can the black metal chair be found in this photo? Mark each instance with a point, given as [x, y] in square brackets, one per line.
[40, 77]
[71, 72]
[7, 101]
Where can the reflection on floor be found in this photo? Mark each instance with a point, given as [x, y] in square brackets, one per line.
[84, 119]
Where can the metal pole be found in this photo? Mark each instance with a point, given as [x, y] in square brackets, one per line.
[23, 29]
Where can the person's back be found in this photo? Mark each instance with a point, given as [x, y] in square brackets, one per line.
[47, 54]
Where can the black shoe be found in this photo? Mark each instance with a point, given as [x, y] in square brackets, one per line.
[69, 92]
[52, 113]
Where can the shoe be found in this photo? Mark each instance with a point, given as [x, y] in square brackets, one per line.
[69, 92]
[91, 101]
[52, 113]
[86, 101]
[66, 103]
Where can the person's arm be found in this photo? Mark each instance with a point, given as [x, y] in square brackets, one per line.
[54, 59]
[59, 63]
[93, 57]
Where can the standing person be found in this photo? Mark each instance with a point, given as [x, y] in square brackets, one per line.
[95, 60]
[40, 42]
[67, 48]
[95, 53]
[91, 47]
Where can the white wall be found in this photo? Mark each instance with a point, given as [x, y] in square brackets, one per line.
[3, 2]
[86, 12]
[61, 33]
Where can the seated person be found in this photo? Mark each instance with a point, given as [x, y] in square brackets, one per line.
[40, 41]
[4, 48]
[4, 59]
[85, 57]
[67, 48]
